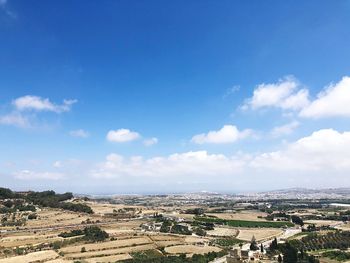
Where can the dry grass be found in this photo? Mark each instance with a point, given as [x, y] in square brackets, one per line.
[259, 233]
[193, 239]
[107, 245]
[39, 256]
[109, 258]
[223, 232]
[168, 243]
[50, 217]
[345, 226]
[26, 237]
[191, 249]
[110, 252]
[323, 222]
[105, 208]
[120, 232]
[242, 215]
[166, 238]
[22, 240]
[59, 260]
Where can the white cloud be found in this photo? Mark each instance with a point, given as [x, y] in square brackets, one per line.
[15, 119]
[32, 175]
[26, 108]
[231, 91]
[285, 129]
[79, 133]
[36, 103]
[57, 164]
[122, 135]
[325, 152]
[296, 101]
[331, 102]
[285, 94]
[179, 164]
[3, 6]
[313, 159]
[227, 134]
[150, 142]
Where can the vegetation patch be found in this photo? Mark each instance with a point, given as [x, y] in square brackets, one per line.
[140, 258]
[226, 242]
[332, 240]
[45, 198]
[337, 255]
[243, 223]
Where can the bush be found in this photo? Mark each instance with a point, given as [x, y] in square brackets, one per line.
[32, 216]
[94, 233]
[72, 233]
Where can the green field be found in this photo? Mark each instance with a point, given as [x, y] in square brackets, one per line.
[243, 223]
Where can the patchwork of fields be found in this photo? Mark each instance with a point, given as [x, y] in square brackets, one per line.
[129, 232]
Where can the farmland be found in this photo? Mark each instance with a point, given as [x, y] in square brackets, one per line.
[259, 233]
[154, 228]
[241, 215]
[191, 249]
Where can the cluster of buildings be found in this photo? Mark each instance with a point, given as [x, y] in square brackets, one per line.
[238, 255]
[152, 226]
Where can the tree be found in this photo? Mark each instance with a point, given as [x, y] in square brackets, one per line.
[279, 258]
[94, 233]
[261, 248]
[290, 254]
[83, 250]
[274, 245]
[200, 232]
[253, 244]
[311, 228]
[297, 220]
[32, 216]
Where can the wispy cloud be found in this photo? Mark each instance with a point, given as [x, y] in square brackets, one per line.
[231, 91]
[36, 103]
[285, 129]
[8, 12]
[15, 119]
[79, 133]
[3, 3]
[151, 141]
[26, 109]
[33, 175]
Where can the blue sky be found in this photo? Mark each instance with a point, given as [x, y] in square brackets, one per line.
[174, 96]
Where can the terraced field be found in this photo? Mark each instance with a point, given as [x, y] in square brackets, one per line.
[191, 249]
[40, 256]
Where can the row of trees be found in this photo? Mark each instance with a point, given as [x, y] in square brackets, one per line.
[45, 198]
[332, 240]
[90, 234]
